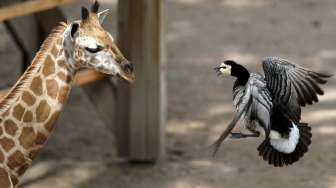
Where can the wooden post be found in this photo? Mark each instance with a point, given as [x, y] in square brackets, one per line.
[140, 38]
[123, 92]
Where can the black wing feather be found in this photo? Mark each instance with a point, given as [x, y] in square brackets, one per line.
[292, 86]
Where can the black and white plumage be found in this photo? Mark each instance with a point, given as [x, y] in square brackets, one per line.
[273, 103]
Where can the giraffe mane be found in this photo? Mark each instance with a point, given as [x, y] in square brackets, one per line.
[27, 76]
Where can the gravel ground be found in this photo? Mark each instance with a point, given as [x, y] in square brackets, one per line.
[200, 34]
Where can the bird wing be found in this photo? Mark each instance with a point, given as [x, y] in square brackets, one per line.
[254, 103]
[291, 85]
[261, 107]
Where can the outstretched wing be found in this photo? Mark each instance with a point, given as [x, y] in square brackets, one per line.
[292, 86]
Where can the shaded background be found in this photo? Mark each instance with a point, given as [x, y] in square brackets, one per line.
[199, 34]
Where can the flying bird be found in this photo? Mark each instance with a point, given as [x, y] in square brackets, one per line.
[272, 103]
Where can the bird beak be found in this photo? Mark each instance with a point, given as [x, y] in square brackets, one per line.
[217, 69]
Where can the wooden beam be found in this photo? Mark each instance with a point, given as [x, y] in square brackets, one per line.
[27, 42]
[88, 76]
[39, 25]
[49, 19]
[140, 34]
[29, 7]
[82, 78]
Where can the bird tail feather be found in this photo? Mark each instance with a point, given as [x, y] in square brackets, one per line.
[279, 159]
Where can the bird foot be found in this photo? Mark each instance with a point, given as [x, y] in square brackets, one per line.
[237, 135]
[241, 135]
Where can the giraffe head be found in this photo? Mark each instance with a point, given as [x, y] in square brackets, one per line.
[89, 45]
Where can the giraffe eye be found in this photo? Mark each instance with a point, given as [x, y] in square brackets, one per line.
[94, 50]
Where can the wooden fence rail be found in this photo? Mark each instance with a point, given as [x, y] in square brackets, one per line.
[29, 7]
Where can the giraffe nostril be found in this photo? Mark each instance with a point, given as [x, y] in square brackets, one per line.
[129, 67]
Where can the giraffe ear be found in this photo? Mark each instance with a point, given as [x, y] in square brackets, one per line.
[95, 7]
[102, 15]
[85, 13]
[74, 29]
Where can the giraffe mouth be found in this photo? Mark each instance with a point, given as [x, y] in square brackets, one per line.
[128, 77]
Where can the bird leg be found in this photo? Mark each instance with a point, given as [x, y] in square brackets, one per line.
[254, 134]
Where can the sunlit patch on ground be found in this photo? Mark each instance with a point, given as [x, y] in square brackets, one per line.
[330, 96]
[328, 130]
[320, 115]
[246, 3]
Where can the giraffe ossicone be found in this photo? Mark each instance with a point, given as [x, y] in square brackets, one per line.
[29, 111]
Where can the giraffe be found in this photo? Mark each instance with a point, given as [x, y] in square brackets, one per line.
[28, 113]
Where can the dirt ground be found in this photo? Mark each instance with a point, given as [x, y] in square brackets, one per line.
[199, 34]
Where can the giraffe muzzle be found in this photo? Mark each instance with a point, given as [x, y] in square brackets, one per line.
[127, 71]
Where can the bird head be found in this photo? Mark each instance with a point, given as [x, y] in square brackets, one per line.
[226, 68]
[232, 68]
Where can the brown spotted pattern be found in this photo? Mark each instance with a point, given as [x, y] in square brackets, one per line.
[28, 117]
[10, 127]
[18, 112]
[7, 143]
[26, 125]
[4, 178]
[2, 157]
[27, 137]
[28, 113]
[40, 138]
[28, 98]
[36, 86]
[50, 123]
[43, 111]
[63, 93]
[16, 159]
[49, 66]
[52, 88]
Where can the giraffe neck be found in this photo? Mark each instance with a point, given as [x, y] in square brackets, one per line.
[28, 113]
